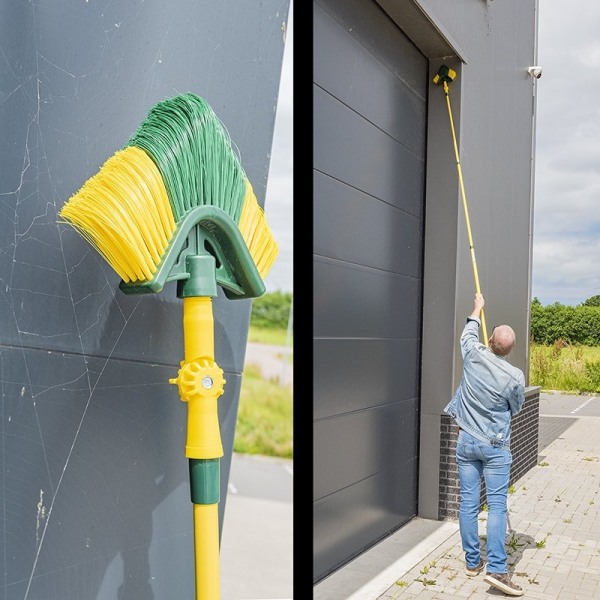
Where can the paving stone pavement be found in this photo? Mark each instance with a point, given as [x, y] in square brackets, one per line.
[553, 541]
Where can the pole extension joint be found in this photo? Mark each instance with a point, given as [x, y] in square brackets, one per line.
[201, 382]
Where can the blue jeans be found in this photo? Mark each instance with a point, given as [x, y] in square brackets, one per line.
[476, 458]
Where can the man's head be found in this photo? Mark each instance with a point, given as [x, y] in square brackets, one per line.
[502, 340]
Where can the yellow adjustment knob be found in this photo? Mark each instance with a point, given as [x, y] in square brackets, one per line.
[200, 378]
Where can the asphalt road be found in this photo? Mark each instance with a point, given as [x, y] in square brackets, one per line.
[559, 411]
[559, 404]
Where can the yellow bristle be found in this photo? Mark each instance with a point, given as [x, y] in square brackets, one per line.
[256, 233]
[124, 212]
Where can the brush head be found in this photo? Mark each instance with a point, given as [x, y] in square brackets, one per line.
[137, 211]
[444, 74]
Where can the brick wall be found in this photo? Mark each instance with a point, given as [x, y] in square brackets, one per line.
[523, 445]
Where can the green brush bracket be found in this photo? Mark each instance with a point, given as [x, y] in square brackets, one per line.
[205, 231]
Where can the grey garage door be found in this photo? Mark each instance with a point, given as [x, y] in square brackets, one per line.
[370, 103]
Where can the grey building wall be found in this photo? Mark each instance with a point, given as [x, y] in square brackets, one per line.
[369, 99]
[94, 489]
[493, 105]
[490, 45]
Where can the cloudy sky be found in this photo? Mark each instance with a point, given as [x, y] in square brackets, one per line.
[566, 236]
[279, 196]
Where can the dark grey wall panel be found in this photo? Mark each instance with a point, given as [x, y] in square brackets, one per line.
[92, 451]
[381, 99]
[352, 436]
[373, 34]
[385, 238]
[352, 301]
[95, 499]
[368, 373]
[357, 517]
[369, 104]
[349, 148]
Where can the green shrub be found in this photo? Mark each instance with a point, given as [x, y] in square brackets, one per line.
[271, 311]
[572, 324]
[593, 375]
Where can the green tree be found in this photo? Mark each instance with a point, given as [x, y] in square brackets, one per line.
[593, 301]
[535, 325]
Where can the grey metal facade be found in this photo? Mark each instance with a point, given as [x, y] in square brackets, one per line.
[94, 493]
[370, 89]
[362, 323]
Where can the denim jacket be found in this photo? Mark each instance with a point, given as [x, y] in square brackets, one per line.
[491, 391]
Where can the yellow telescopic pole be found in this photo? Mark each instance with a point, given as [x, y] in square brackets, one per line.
[200, 383]
[464, 201]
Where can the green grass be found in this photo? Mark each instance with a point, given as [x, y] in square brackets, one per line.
[277, 337]
[564, 367]
[265, 414]
[265, 417]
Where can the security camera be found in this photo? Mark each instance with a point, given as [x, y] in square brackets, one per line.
[535, 71]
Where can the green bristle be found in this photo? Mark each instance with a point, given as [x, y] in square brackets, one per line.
[193, 152]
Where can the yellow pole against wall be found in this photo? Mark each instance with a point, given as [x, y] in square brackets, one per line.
[206, 551]
[201, 382]
[443, 77]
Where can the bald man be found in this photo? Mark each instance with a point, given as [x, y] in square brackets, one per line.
[491, 391]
